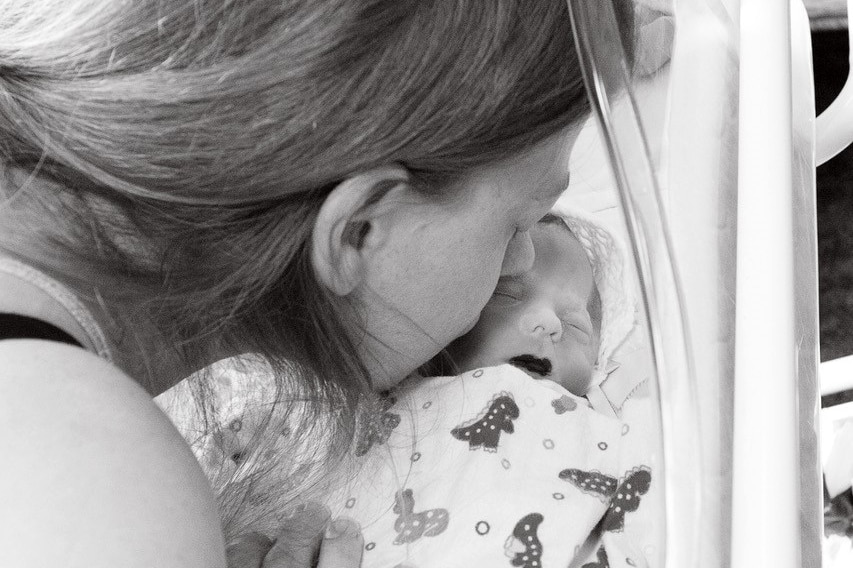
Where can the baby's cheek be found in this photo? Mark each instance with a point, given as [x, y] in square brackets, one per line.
[592, 350]
[578, 381]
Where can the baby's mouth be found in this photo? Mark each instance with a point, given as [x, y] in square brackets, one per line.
[533, 364]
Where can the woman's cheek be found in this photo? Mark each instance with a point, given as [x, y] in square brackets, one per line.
[477, 277]
[519, 255]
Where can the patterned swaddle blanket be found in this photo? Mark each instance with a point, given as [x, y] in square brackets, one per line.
[493, 468]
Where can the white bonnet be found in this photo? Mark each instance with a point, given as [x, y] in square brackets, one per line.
[609, 260]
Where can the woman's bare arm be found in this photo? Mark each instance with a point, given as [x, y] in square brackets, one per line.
[93, 473]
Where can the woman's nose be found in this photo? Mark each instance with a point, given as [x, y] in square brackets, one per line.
[519, 255]
[543, 323]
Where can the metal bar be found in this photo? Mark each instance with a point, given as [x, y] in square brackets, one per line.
[766, 491]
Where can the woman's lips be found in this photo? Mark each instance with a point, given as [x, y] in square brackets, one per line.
[538, 365]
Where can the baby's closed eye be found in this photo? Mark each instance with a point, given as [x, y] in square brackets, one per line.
[579, 320]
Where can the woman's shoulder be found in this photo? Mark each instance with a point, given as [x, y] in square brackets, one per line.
[93, 473]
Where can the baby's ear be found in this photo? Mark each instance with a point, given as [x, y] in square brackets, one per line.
[594, 308]
[350, 226]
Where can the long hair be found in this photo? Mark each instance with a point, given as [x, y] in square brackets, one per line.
[172, 155]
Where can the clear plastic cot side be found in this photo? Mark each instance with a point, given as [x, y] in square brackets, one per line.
[712, 155]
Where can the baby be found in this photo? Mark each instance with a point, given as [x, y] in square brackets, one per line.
[491, 468]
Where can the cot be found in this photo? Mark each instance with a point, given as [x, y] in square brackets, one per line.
[713, 156]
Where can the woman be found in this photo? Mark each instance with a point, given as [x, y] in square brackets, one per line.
[334, 185]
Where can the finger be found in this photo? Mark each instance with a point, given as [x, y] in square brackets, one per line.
[342, 545]
[249, 551]
[298, 543]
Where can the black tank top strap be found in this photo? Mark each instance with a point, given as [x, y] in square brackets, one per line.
[15, 326]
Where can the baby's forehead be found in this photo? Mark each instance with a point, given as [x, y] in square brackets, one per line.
[556, 227]
[556, 230]
[562, 258]
[559, 254]
[576, 255]
[559, 236]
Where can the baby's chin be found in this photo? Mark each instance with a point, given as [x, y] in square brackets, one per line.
[573, 374]
[576, 384]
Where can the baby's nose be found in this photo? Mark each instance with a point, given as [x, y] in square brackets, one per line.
[543, 323]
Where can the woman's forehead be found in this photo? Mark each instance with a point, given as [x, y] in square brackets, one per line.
[542, 171]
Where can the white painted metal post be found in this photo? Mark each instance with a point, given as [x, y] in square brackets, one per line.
[765, 524]
[834, 128]
[836, 375]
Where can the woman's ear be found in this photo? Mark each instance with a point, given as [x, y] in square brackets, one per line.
[347, 230]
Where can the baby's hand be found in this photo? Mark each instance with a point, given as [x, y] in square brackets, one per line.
[311, 539]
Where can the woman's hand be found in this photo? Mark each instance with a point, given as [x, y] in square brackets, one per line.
[311, 539]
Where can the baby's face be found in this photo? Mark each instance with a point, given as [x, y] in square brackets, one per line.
[546, 321]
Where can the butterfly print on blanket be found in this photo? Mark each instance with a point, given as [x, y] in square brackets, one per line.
[622, 497]
[485, 430]
[600, 560]
[627, 498]
[378, 428]
[563, 404]
[599, 485]
[411, 526]
[524, 547]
